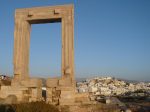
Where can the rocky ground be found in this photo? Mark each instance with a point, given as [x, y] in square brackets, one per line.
[125, 96]
[110, 95]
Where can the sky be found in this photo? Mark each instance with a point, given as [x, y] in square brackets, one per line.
[112, 38]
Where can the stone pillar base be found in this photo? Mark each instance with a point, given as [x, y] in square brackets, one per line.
[24, 91]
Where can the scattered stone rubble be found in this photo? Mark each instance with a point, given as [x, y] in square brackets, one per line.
[4, 77]
[5, 80]
[108, 86]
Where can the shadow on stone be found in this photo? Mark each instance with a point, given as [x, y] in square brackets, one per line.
[11, 99]
[44, 94]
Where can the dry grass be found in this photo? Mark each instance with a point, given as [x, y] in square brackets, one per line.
[95, 108]
[29, 107]
[35, 107]
[43, 107]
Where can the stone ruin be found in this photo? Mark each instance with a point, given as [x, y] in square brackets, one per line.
[60, 91]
